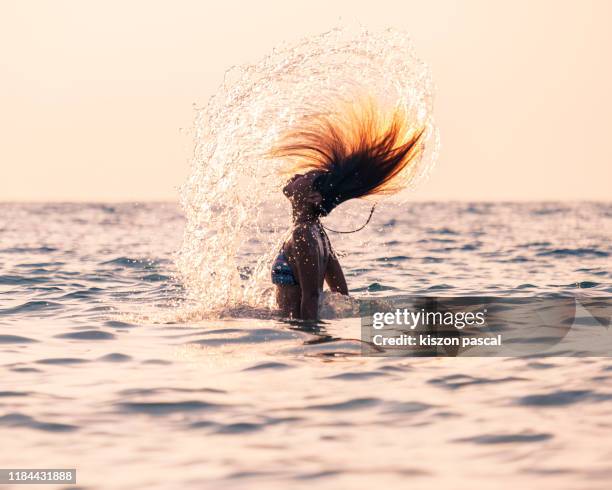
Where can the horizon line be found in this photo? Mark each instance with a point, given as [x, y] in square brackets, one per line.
[428, 201]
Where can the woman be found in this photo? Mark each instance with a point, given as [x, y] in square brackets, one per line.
[354, 152]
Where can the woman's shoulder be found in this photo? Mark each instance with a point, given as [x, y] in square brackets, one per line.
[301, 231]
[304, 233]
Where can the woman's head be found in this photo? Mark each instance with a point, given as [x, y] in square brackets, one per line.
[352, 152]
[300, 190]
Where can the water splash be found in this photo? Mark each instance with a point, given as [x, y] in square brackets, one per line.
[236, 214]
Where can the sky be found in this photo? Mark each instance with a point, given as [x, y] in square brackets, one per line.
[96, 98]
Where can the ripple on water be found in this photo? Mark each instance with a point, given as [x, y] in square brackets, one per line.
[86, 335]
[561, 398]
[534, 245]
[31, 307]
[122, 262]
[15, 339]
[353, 404]
[83, 293]
[594, 271]
[62, 361]
[157, 362]
[456, 381]
[155, 278]
[584, 284]
[441, 231]
[30, 265]
[407, 407]
[245, 427]
[165, 408]
[396, 258]
[115, 357]
[374, 287]
[157, 391]
[25, 370]
[523, 437]
[118, 324]
[573, 252]
[268, 365]
[358, 376]
[28, 250]
[12, 280]
[21, 420]
[396, 368]
[439, 287]
[541, 365]
[239, 428]
[256, 336]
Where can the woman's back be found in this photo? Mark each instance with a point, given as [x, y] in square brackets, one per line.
[301, 267]
[293, 248]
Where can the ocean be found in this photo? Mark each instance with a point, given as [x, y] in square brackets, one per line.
[110, 366]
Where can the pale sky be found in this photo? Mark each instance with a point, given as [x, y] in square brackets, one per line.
[93, 94]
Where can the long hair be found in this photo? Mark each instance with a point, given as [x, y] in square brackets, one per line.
[358, 149]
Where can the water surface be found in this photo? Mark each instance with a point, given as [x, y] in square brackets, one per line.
[108, 368]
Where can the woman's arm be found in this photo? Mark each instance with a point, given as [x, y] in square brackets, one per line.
[307, 267]
[334, 277]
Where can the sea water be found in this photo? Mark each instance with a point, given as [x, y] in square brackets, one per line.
[109, 366]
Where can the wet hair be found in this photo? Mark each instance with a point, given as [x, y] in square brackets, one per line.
[358, 150]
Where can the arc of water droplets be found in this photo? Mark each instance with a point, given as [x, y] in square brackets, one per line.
[236, 215]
